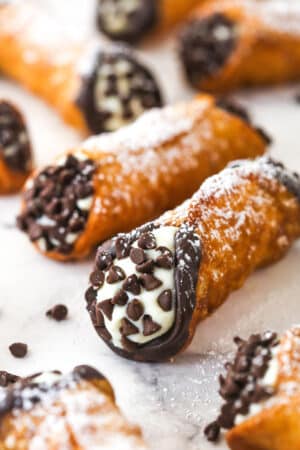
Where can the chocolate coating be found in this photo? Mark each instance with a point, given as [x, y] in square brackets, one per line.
[187, 262]
[15, 147]
[116, 90]
[205, 46]
[127, 21]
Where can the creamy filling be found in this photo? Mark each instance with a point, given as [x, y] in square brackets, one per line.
[151, 319]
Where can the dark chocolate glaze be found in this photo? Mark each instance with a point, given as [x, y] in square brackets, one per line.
[201, 52]
[291, 180]
[146, 90]
[12, 128]
[139, 22]
[26, 389]
[187, 251]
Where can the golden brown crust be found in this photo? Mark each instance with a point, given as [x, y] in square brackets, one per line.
[11, 181]
[276, 426]
[266, 51]
[141, 174]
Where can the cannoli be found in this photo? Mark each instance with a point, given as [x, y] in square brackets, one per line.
[51, 411]
[232, 43]
[150, 288]
[131, 20]
[95, 87]
[15, 149]
[115, 182]
[261, 392]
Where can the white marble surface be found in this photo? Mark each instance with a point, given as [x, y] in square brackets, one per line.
[171, 402]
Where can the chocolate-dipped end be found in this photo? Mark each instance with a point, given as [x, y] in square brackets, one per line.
[127, 20]
[275, 169]
[116, 90]
[42, 387]
[15, 147]
[57, 203]
[143, 291]
[249, 380]
[205, 45]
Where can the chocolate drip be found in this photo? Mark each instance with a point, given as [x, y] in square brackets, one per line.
[104, 85]
[206, 45]
[15, 146]
[135, 23]
[187, 261]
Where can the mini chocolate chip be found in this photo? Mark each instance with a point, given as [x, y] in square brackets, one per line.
[149, 282]
[165, 260]
[97, 278]
[115, 274]
[87, 373]
[7, 378]
[135, 310]
[90, 295]
[104, 260]
[107, 308]
[165, 300]
[131, 284]
[35, 232]
[120, 298]
[146, 267]
[58, 312]
[229, 389]
[122, 247]
[104, 333]
[212, 431]
[147, 241]
[127, 328]
[99, 319]
[137, 255]
[149, 326]
[226, 418]
[18, 349]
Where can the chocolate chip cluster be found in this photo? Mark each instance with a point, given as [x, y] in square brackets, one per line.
[15, 146]
[108, 271]
[205, 46]
[118, 90]
[241, 387]
[126, 20]
[56, 206]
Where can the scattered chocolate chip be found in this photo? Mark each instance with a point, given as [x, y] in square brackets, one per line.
[97, 278]
[18, 349]
[107, 308]
[120, 298]
[149, 282]
[122, 247]
[90, 295]
[165, 300]
[206, 45]
[127, 328]
[147, 241]
[131, 284]
[146, 267]
[87, 373]
[115, 275]
[165, 260]
[7, 378]
[58, 312]
[212, 432]
[137, 255]
[135, 310]
[149, 326]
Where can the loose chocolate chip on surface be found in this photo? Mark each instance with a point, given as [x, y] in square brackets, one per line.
[107, 308]
[137, 255]
[115, 275]
[135, 310]
[18, 349]
[165, 300]
[58, 312]
[120, 298]
[147, 241]
[149, 282]
[97, 278]
[149, 326]
[131, 284]
[212, 431]
[127, 328]
[7, 378]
